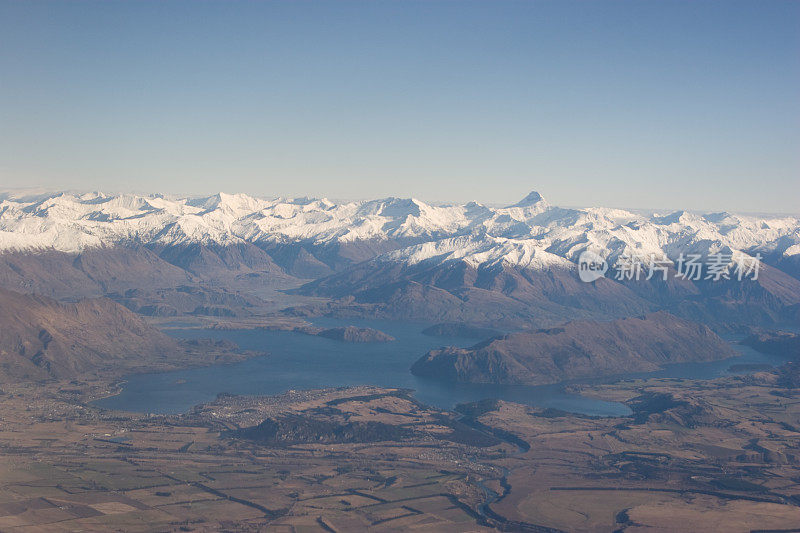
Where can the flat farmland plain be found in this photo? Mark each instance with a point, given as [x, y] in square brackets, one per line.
[694, 455]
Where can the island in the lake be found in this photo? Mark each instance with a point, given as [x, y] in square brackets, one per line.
[85, 304]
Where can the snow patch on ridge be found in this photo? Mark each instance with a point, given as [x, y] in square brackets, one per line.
[530, 233]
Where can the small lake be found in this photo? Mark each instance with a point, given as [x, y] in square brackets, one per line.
[297, 361]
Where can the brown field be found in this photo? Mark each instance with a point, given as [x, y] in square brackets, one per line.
[725, 457]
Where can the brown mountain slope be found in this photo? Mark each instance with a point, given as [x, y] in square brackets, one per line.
[455, 291]
[577, 350]
[512, 297]
[94, 272]
[102, 271]
[41, 338]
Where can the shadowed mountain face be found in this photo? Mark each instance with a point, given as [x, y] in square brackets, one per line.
[459, 292]
[93, 272]
[509, 267]
[516, 297]
[782, 343]
[103, 271]
[181, 280]
[41, 338]
[577, 350]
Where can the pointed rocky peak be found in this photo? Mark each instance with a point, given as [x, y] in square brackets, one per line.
[533, 198]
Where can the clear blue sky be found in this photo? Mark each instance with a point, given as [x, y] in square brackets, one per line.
[640, 104]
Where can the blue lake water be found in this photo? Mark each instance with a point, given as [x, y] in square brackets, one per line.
[296, 361]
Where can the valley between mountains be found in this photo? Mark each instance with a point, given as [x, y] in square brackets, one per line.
[93, 285]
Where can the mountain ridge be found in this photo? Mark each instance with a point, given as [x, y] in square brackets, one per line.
[577, 349]
[72, 223]
[395, 257]
[41, 338]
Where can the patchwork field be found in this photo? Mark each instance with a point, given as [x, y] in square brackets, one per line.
[702, 456]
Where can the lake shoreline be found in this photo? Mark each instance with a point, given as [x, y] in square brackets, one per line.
[301, 362]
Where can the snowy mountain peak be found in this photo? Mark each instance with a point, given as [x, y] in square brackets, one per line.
[533, 198]
[402, 207]
[530, 233]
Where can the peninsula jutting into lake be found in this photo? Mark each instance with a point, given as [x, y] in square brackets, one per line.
[433, 266]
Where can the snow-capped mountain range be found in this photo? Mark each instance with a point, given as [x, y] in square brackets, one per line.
[530, 233]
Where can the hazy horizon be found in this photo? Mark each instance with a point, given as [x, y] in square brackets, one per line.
[34, 191]
[658, 106]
